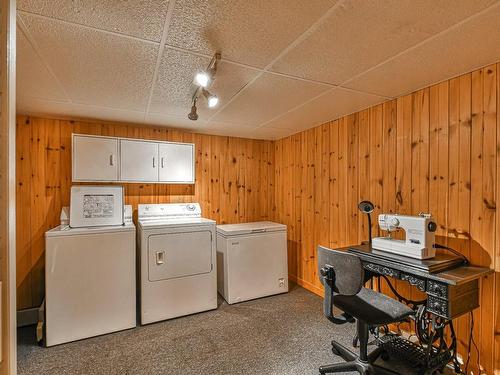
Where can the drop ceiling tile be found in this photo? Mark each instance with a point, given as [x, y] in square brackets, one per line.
[360, 34]
[329, 106]
[271, 133]
[267, 97]
[174, 86]
[96, 68]
[170, 121]
[228, 129]
[471, 45]
[251, 32]
[33, 79]
[241, 131]
[143, 19]
[40, 107]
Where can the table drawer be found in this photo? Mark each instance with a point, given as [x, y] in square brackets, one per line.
[445, 291]
[452, 308]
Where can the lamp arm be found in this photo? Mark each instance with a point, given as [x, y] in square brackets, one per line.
[370, 230]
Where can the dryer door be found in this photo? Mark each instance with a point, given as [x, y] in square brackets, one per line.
[174, 255]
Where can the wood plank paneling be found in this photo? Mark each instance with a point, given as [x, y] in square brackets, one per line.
[435, 150]
[234, 183]
[496, 263]
[23, 212]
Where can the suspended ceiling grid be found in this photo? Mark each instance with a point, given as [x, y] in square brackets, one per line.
[286, 65]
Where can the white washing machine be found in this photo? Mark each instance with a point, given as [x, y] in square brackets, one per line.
[90, 283]
[177, 272]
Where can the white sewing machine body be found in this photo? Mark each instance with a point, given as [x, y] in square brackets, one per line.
[419, 232]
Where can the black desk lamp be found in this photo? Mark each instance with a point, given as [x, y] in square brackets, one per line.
[367, 207]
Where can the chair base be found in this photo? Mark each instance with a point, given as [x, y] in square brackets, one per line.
[354, 363]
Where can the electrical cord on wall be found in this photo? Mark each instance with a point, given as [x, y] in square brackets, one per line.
[470, 342]
[439, 246]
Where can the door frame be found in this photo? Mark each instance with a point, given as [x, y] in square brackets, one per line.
[8, 339]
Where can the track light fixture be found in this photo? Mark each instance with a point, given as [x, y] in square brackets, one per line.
[212, 100]
[193, 115]
[202, 80]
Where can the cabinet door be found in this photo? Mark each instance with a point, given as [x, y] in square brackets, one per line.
[94, 158]
[138, 161]
[177, 163]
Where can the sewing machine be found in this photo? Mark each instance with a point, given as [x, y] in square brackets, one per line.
[419, 231]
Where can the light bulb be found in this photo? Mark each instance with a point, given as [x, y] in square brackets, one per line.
[213, 100]
[202, 79]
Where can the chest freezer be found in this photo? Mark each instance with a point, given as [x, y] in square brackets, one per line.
[251, 260]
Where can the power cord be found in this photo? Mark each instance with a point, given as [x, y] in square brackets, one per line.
[470, 342]
[473, 342]
[439, 246]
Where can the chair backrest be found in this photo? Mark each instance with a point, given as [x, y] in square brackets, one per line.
[348, 270]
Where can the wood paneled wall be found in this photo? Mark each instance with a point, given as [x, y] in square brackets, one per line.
[234, 182]
[436, 150]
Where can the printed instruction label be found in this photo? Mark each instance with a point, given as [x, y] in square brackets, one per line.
[98, 206]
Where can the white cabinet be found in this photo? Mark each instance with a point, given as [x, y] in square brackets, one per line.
[138, 161]
[176, 163]
[95, 158]
[112, 159]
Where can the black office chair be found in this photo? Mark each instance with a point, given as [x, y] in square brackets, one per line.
[342, 275]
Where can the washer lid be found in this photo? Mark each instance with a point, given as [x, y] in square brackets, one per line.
[250, 228]
[66, 230]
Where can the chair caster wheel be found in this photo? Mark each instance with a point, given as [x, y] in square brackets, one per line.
[335, 351]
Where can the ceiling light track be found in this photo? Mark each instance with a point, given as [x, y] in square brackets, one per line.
[203, 79]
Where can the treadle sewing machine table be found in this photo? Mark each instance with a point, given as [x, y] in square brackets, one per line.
[452, 289]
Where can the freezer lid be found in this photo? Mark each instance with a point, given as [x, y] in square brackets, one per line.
[250, 228]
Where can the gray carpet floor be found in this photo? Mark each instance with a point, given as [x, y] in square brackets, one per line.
[283, 334]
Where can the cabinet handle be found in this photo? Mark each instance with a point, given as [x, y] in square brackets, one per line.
[112, 160]
[154, 163]
[162, 163]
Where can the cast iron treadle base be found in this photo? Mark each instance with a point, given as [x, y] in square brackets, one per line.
[413, 354]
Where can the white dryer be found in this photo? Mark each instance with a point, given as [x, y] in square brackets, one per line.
[177, 256]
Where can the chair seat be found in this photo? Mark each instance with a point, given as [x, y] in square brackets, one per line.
[372, 307]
